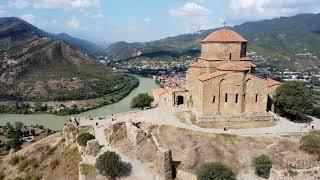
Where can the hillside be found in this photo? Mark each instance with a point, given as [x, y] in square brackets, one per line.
[35, 67]
[84, 46]
[286, 41]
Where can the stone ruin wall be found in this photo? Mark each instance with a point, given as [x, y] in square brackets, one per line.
[301, 174]
[136, 133]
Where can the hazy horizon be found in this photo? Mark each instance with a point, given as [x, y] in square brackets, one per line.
[141, 21]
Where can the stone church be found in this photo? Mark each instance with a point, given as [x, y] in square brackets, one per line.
[222, 82]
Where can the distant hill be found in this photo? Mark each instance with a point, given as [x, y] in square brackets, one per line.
[35, 67]
[286, 41]
[84, 46]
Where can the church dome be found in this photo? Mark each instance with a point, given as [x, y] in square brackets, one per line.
[224, 35]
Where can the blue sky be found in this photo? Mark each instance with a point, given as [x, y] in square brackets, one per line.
[144, 20]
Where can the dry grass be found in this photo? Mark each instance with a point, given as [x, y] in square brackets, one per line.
[86, 129]
[193, 148]
[145, 151]
[107, 131]
[47, 159]
[87, 169]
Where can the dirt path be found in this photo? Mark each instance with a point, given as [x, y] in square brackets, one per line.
[163, 116]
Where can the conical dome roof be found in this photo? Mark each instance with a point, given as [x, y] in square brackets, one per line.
[224, 35]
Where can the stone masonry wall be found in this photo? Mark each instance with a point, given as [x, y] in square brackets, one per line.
[118, 132]
[164, 164]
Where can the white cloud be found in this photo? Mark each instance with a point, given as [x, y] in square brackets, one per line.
[28, 17]
[147, 19]
[19, 4]
[195, 16]
[190, 9]
[73, 24]
[245, 10]
[66, 4]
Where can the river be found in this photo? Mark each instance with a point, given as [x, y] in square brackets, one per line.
[56, 122]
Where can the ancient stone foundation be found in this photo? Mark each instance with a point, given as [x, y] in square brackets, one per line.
[70, 133]
[164, 164]
[135, 133]
[299, 174]
[92, 147]
[118, 132]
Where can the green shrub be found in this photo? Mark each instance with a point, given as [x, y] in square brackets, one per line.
[53, 164]
[27, 164]
[109, 164]
[215, 171]
[141, 101]
[262, 165]
[2, 176]
[316, 112]
[87, 169]
[311, 142]
[292, 173]
[14, 160]
[82, 139]
[293, 100]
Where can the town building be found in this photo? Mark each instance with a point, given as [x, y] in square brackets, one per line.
[222, 83]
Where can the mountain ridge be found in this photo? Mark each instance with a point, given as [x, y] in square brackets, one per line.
[279, 40]
[36, 67]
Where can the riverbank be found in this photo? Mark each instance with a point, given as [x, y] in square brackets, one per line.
[56, 122]
[63, 108]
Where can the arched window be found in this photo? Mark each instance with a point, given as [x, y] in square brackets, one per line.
[226, 97]
[214, 99]
[237, 98]
[256, 97]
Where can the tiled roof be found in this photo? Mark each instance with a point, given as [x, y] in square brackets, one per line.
[197, 64]
[240, 66]
[207, 76]
[224, 35]
[272, 82]
[160, 91]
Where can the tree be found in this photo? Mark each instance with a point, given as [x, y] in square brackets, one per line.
[141, 101]
[82, 139]
[215, 171]
[293, 100]
[311, 142]
[262, 165]
[109, 164]
[38, 106]
[18, 125]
